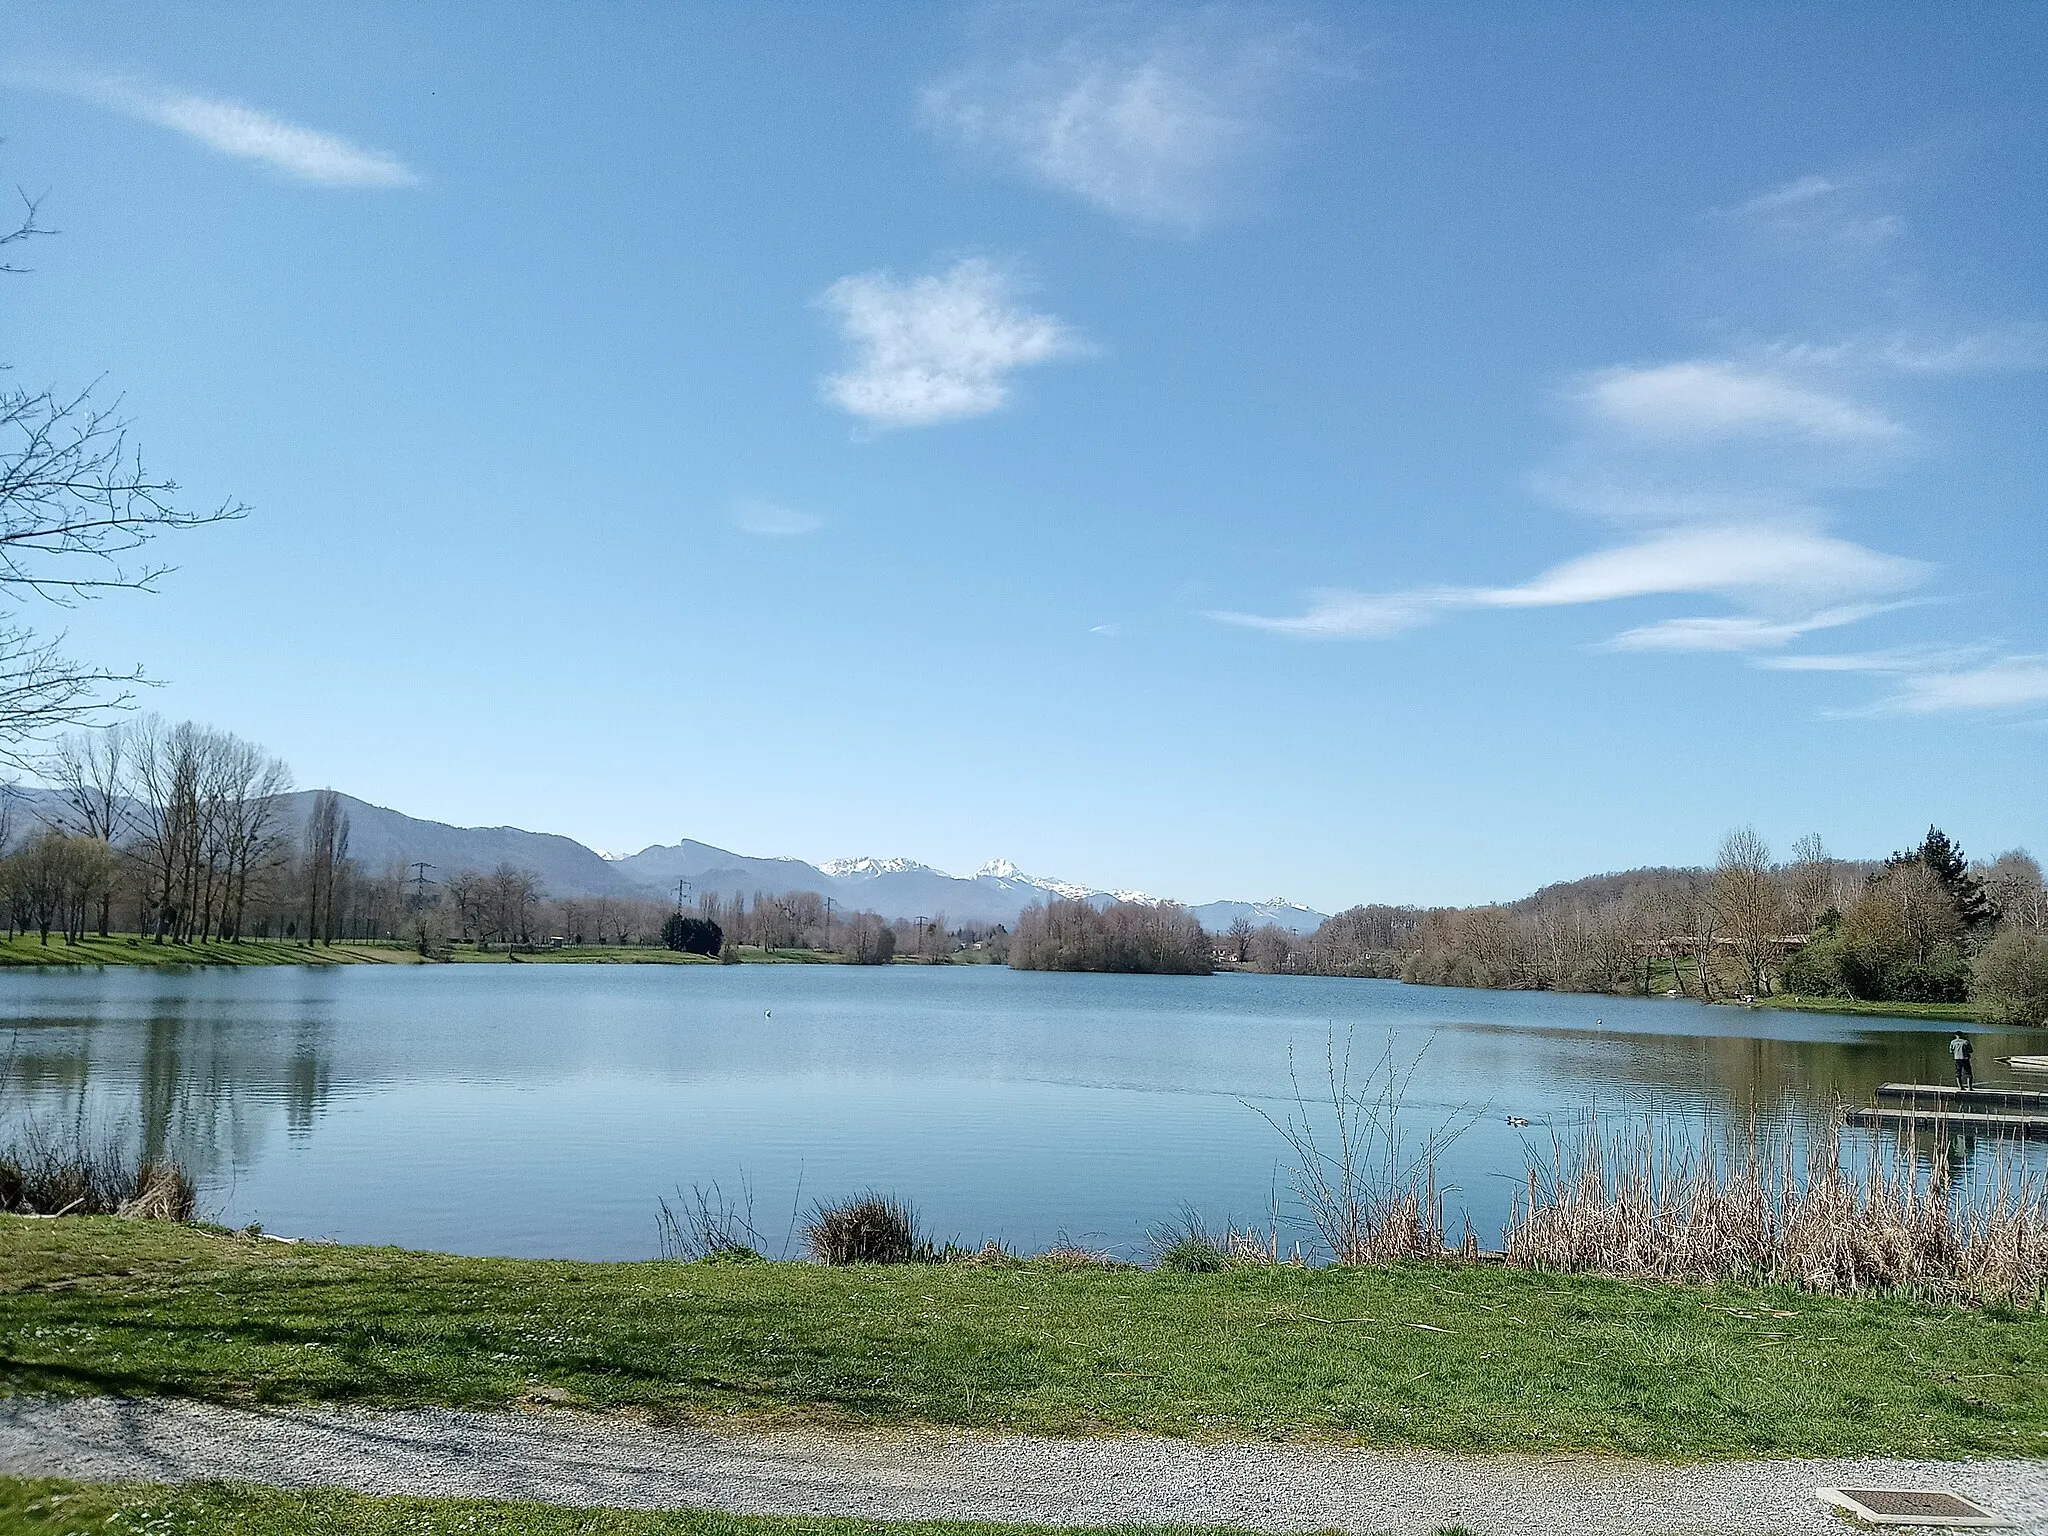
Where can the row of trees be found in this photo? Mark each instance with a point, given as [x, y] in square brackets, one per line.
[1065, 935]
[1924, 925]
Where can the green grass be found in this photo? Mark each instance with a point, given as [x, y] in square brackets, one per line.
[1472, 1358]
[128, 949]
[1955, 1013]
[44, 1507]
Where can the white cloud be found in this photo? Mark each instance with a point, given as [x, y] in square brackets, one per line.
[770, 520]
[305, 154]
[1798, 579]
[1150, 127]
[1819, 212]
[2008, 349]
[1336, 614]
[1787, 566]
[1932, 681]
[1709, 400]
[1792, 194]
[1739, 632]
[936, 348]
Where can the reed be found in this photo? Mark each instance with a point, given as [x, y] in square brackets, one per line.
[45, 1173]
[1651, 1201]
[704, 1224]
[1366, 1179]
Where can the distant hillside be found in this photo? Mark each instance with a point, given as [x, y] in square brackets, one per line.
[379, 838]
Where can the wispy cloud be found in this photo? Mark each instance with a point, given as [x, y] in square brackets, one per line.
[1740, 632]
[770, 520]
[1819, 213]
[304, 154]
[2007, 349]
[1781, 569]
[1944, 680]
[936, 348]
[1151, 123]
[1714, 399]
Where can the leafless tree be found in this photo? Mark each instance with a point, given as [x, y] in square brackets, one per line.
[77, 507]
[326, 860]
[1812, 876]
[1747, 899]
[2013, 881]
[89, 769]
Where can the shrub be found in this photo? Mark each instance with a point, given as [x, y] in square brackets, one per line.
[868, 1229]
[42, 1174]
[692, 935]
[2011, 984]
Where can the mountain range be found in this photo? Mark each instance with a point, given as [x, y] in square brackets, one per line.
[380, 838]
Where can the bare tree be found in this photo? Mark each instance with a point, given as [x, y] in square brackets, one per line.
[1812, 880]
[1746, 898]
[76, 505]
[89, 769]
[326, 858]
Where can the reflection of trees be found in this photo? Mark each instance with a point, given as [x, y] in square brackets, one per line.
[201, 1089]
[1731, 1074]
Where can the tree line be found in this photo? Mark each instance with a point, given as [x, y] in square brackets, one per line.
[1925, 925]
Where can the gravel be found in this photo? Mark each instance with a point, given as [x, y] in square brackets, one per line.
[560, 1457]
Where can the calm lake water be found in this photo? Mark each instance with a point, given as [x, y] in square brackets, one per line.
[542, 1110]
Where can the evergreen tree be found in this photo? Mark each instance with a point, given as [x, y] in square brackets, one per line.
[1945, 858]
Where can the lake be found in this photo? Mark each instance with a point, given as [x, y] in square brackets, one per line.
[543, 1109]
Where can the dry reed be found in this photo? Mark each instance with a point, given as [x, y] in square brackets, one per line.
[1650, 1202]
[45, 1173]
[1367, 1181]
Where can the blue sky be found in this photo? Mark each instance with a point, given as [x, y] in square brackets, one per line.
[1353, 453]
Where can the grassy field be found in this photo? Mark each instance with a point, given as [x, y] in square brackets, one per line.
[1459, 1358]
[49, 1508]
[127, 949]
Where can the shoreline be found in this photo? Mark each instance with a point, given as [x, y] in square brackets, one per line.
[129, 951]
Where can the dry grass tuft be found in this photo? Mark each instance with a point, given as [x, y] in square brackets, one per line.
[870, 1228]
[45, 1173]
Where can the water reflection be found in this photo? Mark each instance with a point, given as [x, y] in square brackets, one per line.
[542, 1110]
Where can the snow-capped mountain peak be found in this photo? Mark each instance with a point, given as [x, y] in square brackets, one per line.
[1006, 873]
[867, 868]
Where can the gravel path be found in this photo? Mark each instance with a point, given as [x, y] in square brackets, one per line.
[565, 1458]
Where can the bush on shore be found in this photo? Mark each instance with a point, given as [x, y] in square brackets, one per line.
[43, 1175]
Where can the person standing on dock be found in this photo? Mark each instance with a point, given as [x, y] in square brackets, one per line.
[1959, 1047]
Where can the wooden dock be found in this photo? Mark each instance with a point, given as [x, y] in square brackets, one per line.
[2018, 1127]
[1949, 1100]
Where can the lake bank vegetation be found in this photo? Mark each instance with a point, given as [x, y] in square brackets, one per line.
[176, 836]
[1478, 1357]
[1925, 927]
[1157, 938]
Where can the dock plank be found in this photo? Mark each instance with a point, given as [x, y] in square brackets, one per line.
[1984, 1123]
[1955, 1098]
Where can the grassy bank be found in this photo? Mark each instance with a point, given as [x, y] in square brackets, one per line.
[42, 1507]
[128, 949]
[1464, 1358]
[1948, 1013]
